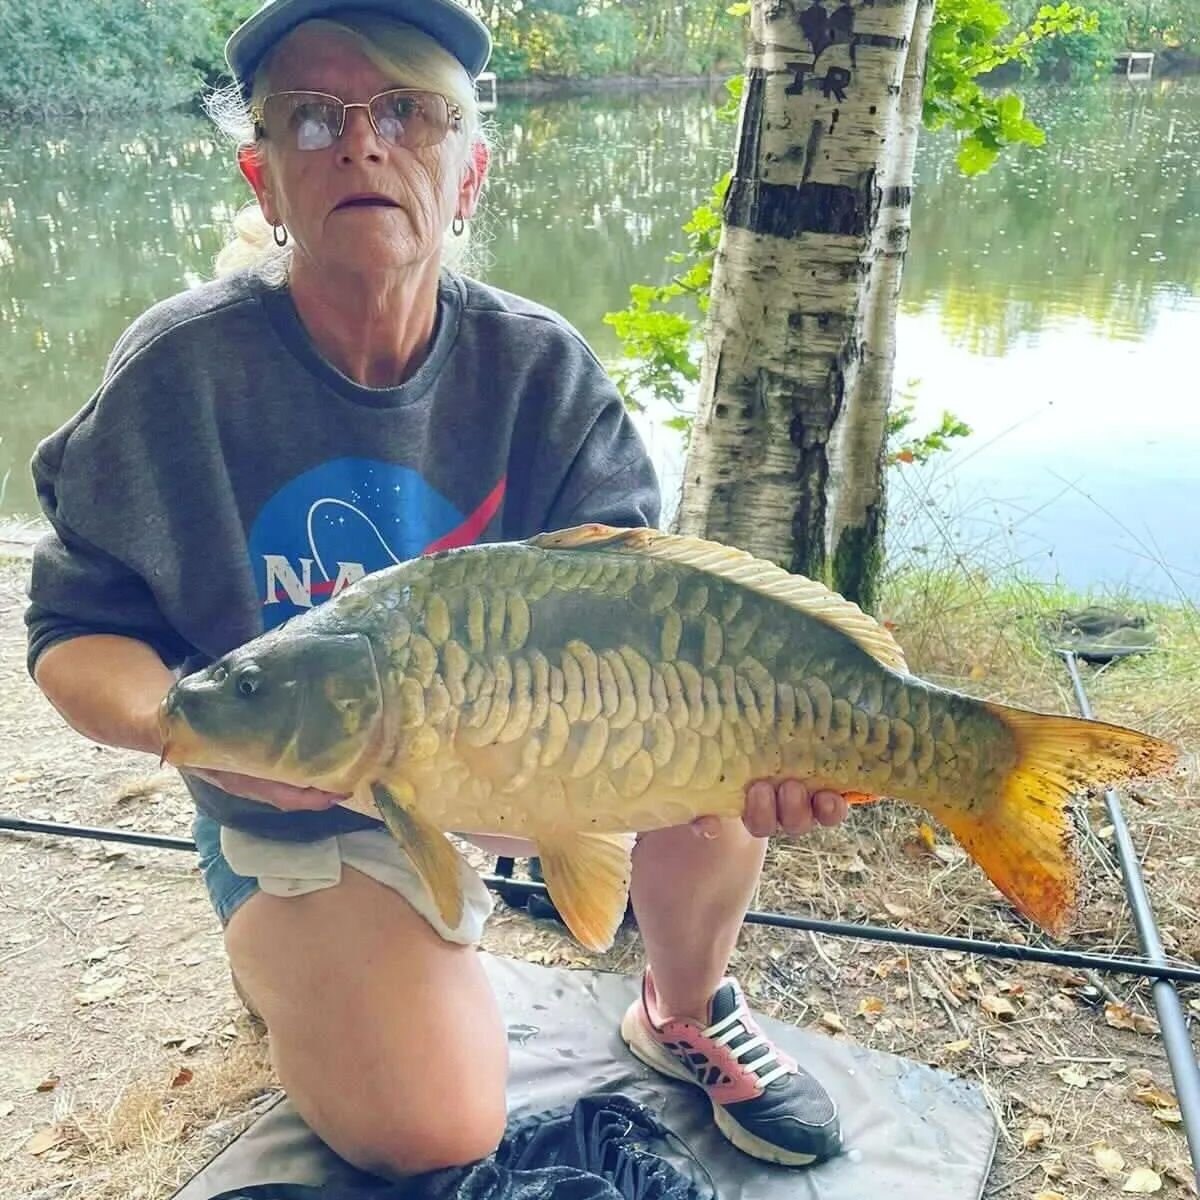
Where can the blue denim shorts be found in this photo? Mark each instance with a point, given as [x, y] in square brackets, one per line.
[227, 890]
[283, 868]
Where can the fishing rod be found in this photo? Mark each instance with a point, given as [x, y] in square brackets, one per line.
[507, 887]
[1172, 1022]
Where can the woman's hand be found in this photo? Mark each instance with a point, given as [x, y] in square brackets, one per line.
[788, 808]
[268, 791]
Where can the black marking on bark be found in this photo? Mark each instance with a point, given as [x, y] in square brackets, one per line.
[882, 40]
[824, 321]
[824, 29]
[783, 210]
[815, 131]
[747, 157]
[836, 80]
[896, 197]
[833, 83]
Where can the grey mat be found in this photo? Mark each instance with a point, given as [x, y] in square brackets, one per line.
[911, 1132]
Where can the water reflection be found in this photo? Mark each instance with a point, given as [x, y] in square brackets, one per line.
[1099, 223]
[1051, 304]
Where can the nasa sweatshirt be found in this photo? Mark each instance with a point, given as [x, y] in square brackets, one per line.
[225, 477]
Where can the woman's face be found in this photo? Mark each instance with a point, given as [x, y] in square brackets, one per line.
[361, 204]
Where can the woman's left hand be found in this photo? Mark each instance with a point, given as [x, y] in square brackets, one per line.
[788, 808]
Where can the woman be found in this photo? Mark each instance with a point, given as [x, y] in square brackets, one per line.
[339, 401]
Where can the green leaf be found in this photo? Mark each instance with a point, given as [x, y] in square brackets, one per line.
[974, 157]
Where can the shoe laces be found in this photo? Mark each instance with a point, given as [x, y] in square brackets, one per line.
[737, 1024]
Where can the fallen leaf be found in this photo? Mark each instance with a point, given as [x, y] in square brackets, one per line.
[105, 989]
[1141, 1075]
[1182, 1173]
[957, 1047]
[1108, 1159]
[1035, 1133]
[1012, 1058]
[998, 1006]
[1142, 1180]
[1049, 1196]
[44, 1140]
[1168, 1116]
[950, 855]
[1155, 1096]
[832, 1021]
[972, 976]
[183, 1076]
[853, 865]
[870, 1008]
[899, 911]
[1073, 1076]
[1054, 1168]
[1121, 1016]
[1194, 1005]
[884, 1025]
[926, 835]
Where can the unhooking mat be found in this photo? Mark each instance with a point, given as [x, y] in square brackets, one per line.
[911, 1132]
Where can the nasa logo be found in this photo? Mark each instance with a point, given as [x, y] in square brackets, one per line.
[345, 519]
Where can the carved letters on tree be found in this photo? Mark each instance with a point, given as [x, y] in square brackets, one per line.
[824, 29]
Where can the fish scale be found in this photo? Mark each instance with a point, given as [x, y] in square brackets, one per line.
[589, 684]
[796, 724]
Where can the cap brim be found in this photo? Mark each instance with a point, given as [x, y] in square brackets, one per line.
[447, 22]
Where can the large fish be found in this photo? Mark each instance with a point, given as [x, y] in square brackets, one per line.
[592, 683]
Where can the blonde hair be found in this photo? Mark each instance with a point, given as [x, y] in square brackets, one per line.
[402, 52]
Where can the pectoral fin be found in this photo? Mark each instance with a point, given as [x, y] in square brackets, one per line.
[431, 852]
[587, 875]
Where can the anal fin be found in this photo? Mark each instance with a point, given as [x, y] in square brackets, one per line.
[431, 852]
[587, 875]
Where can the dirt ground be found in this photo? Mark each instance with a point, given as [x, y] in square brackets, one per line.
[126, 1060]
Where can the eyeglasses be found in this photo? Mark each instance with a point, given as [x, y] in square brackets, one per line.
[315, 120]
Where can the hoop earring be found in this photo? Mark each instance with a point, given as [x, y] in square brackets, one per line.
[457, 225]
[276, 231]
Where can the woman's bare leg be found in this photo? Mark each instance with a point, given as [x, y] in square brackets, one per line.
[387, 1038]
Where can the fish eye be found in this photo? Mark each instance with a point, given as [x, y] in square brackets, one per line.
[248, 680]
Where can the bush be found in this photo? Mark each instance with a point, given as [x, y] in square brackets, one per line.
[76, 56]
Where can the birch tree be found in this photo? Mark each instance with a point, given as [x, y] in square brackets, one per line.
[800, 281]
[786, 453]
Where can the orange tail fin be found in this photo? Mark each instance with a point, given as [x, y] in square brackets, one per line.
[1024, 841]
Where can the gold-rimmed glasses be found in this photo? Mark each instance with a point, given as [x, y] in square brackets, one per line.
[315, 120]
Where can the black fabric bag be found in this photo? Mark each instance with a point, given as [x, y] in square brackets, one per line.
[595, 1150]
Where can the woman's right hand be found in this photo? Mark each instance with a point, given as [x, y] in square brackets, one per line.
[269, 791]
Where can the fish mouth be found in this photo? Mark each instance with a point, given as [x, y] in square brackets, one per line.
[365, 200]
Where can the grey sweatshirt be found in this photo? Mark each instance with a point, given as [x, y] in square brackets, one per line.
[225, 477]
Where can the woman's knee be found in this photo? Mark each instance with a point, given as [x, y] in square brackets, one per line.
[410, 1144]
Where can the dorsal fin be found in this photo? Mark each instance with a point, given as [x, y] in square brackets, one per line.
[744, 569]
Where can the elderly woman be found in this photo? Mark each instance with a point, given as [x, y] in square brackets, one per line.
[336, 400]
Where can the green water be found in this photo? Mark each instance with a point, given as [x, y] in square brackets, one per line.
[1052, 304]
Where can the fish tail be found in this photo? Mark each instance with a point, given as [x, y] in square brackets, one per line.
[1024, 839]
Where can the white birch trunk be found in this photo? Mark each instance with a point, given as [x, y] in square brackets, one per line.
[786, 454]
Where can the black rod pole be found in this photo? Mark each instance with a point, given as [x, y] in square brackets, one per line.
[849, 929]
[1177, 1042]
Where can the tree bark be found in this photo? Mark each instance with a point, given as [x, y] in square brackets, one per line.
[786, 458]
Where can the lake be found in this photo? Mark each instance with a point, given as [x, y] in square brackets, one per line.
[1053, 304]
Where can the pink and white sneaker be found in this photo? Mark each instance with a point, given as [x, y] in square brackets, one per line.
[764, 1103]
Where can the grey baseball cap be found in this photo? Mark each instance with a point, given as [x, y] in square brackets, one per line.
[461, 32]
